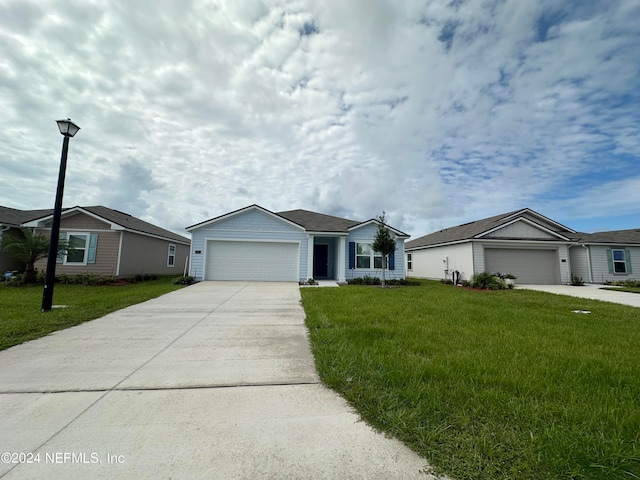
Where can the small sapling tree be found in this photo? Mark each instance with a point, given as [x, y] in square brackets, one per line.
[383, 243]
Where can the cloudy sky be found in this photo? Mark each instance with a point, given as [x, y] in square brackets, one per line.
[437, 112]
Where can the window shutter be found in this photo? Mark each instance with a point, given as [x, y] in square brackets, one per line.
[93, 248]
[627, 260]
[352, 255]
[610, 260]
[60, 257]
[392, 261]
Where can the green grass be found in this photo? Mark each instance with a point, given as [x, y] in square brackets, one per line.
[487, 385]
[21, 319]
[623, 289]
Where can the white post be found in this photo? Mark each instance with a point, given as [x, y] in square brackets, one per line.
[309, 257]
[342, 248]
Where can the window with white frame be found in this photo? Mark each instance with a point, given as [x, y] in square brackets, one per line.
[171, 258]
[409, 261]
[619, 262]
[78, 245]
[365, 256]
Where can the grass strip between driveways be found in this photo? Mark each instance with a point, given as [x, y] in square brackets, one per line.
[622, 289]
[21, 319]
[487, 384]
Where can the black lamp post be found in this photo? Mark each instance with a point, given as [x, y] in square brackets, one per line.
[68, 129]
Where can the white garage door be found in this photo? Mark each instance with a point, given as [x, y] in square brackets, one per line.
[536, 267]
[259, 261]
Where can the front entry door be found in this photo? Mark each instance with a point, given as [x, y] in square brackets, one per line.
[320, 261]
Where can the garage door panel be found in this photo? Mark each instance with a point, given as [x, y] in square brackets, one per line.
[531, 266]
[261, 261]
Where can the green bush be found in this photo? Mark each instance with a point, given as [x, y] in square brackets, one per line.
[576, 280]
[366, 280]
[184, 280]
[624, 283]
[487, 281]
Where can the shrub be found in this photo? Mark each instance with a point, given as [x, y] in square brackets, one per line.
[184, 280]
[366, 280]
[576, 280]
[488, 281]
[446, 281]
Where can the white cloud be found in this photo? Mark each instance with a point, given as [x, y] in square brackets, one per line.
[434, 112]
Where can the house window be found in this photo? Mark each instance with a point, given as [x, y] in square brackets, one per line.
[365, 256]
[77, 253]
[409, 261]
[619, 263]
[171, 259]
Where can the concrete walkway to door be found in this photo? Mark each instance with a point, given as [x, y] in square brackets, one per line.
[212, 381]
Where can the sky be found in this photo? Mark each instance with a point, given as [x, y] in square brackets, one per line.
[435, 112]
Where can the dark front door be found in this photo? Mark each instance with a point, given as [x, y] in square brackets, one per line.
[320, 261]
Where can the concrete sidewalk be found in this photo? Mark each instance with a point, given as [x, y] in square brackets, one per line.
[212, 381]
[590, 291]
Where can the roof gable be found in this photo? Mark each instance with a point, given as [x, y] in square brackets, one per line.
[115, 219]
[521, 229]
[376, 223]
[486, 226]
[227, 217]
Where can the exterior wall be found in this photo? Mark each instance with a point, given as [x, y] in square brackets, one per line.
[249, 225]
[563, 254]
[144, 254]
[81, 222]
[579, 262]
[366, 234]
[600, 265]
[427, 263]
[106, 254]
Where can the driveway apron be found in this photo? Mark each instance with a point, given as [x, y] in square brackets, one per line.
[212, 381]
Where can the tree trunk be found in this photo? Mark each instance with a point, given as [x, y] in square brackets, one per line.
[29, 276]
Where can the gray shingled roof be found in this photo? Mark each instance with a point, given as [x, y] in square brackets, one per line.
[12, 216]
[318, 222]
[132, 223]
[621, 237]
[470, 230]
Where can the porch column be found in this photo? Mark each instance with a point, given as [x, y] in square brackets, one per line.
[310, 257]
[342, 248]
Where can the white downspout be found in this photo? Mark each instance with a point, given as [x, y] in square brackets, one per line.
[588, 263]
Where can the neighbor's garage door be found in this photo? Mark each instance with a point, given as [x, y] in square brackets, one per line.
[260, 261]
[536, 267]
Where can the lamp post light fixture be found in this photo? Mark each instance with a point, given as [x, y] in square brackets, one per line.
[68, 129]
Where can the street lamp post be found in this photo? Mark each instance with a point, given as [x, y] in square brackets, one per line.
[68, 129]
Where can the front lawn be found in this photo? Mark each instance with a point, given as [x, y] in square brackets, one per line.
[500, 384]
[21, 319]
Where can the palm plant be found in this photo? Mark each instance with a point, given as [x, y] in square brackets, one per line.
[27, 247]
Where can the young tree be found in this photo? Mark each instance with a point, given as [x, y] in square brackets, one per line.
[383, 243]
[27, 247]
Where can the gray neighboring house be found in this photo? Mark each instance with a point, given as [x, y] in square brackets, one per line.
[254, 243]
[535, 248]
[105, 241]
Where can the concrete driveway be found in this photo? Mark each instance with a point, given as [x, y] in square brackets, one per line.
[590, 291]
[212, 381]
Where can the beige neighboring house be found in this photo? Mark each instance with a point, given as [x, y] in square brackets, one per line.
[106, 241]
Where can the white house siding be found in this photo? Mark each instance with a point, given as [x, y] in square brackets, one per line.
[579, 262]
[428, 262]
[366, 234]
[563, 254]
[249, 225]
[600, 266]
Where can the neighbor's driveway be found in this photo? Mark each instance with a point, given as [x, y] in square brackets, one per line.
[591, 291]
[212, 381]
